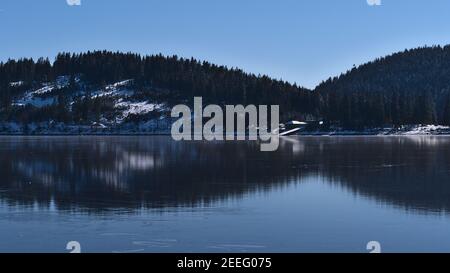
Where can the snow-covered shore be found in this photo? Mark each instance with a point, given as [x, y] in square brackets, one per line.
[152, 127]
[405, 130]
[163, 127]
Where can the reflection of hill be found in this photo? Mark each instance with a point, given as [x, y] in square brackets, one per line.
[99, 173]
[412, 173]
[131, 172]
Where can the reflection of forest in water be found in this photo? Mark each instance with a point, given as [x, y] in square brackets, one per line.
[99, 173]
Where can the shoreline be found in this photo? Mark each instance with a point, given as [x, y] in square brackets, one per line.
[82, 130]
[360, 134]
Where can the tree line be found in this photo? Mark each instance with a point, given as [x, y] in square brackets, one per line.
[409, 87]
[166, 77]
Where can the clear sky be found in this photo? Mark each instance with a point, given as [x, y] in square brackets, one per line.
[302, 41]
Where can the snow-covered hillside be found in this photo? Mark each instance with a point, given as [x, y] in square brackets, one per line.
[120, 108]
[128, 112]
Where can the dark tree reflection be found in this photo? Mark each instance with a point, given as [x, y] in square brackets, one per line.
[101, 173]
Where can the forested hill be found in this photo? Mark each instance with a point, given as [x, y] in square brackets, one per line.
[115, 91]
[156, 79]
[409, 87]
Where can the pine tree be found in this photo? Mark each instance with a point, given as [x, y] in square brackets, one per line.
[379, 113]
[395, 110]
[62, 113]
[346, 107]
[424, 110]
[446, 117]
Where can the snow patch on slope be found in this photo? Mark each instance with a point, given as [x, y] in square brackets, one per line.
[425, 129]
[43, 90]
[16, 84]
[33, 97]
[35, 101]
[137, 108]
[118, 89]
[120, 84]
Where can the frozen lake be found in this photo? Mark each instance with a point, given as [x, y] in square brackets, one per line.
[151, 194]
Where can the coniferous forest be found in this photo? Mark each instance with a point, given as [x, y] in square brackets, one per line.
[170, 79]
[409, 87]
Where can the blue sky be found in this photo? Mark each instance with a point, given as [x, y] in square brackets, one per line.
[303, 41]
